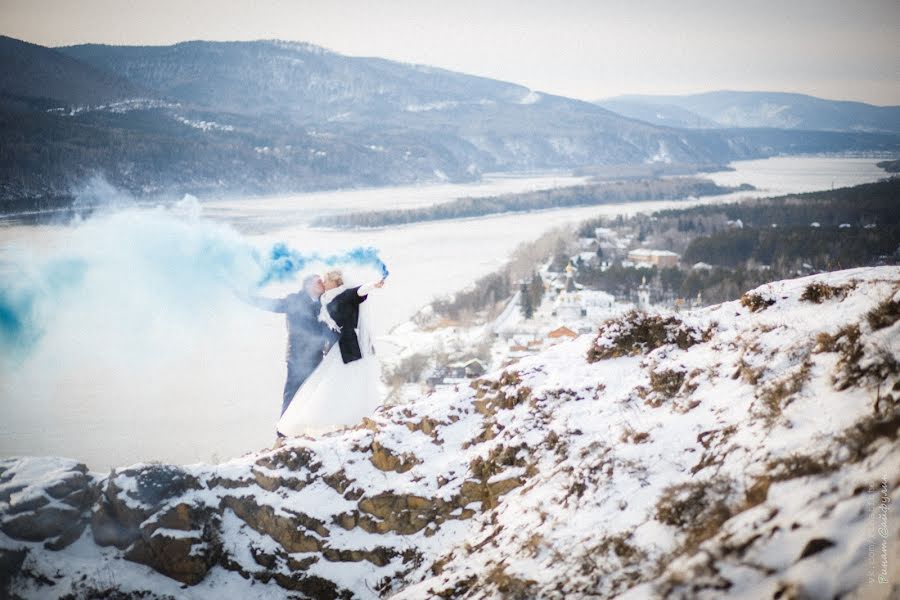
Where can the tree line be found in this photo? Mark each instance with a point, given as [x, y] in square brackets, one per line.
[581, 195]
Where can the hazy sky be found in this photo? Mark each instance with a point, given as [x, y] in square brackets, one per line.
[586, 49]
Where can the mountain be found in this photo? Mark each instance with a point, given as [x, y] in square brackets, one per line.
[481, 123]
[757, 109]
[657, 113]
[298, 80]
[749, 450]
[35, 74]
[264, 117]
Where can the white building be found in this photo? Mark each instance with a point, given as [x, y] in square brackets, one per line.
[659, 258]
[567, 306]
[573, 304]
[644, 294]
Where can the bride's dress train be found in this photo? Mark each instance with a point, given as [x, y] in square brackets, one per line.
[336, 394]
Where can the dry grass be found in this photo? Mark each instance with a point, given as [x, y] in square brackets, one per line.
[884, 315]
[458, 590]
[857, 440]
[745, 371]
[509, 586]
[713, 442]
[497, 460]
[818, 292]
[756, 302]
[854, 367]
[664, 385]
[629, 435]
[492, 396]
[697, 508]
[776, 394]
[638, 333]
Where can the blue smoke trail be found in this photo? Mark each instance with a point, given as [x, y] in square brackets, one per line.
[146, 266]
[21, 308]
[285, 263]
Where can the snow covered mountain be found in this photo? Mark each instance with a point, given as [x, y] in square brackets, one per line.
[746, 450]
[756, 109]
[470, 124]
[268, 116]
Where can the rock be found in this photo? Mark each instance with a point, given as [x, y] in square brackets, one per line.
[407, 514]
[288, 467]
[73, 484]
[385, 460]
[814, 546]
[182, 543]
[379, 555]
[289, 531]
[28, 504]
[263, 558]
[346, 520]
[401, 513]
[312, 586]
[39, 525]
[45, 500]
[10, 565]
[292, 458]
[338, 481]
[425, 425]
[68, 536]
[7, 490]
[302, 564]
[117, 519]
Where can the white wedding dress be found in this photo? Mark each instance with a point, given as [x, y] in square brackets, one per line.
[337, 394]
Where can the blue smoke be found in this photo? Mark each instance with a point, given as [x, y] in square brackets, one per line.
[285, 263]
[135, 278]
[21, 300]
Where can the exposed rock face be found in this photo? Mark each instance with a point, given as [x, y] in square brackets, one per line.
[130, 497]
[45, 500]
[181, 542]
[743, 449]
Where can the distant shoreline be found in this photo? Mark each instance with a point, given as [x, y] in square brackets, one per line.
[593, 194]
[61, 208]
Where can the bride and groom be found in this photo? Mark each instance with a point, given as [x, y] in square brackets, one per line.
[332, 374]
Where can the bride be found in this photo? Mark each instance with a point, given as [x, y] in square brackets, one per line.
[345, 387]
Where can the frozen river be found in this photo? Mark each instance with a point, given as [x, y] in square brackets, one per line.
[140, 366]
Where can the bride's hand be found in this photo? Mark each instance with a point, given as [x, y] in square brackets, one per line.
[380, 283]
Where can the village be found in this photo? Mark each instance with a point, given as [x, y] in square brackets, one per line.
[553, 307]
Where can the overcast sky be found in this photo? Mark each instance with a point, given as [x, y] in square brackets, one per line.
[586, 49]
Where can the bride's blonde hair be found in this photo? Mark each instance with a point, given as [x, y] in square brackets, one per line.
[335, 276]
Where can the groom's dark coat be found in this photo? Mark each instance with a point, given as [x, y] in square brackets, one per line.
[344, 309]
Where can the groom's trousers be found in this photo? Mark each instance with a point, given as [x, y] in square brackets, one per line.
[299, 369]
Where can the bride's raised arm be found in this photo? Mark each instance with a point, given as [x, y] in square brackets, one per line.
[364, 290]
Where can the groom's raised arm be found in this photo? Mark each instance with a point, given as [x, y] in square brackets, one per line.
[276, 305]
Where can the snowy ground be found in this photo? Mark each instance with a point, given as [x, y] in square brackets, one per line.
[745, 450]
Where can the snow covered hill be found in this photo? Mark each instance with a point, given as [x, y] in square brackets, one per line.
[747, 450]
[757, 109]
[169, 120]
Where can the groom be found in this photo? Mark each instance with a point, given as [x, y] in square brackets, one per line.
[308, 338]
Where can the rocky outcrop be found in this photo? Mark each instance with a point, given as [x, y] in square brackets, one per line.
[130, 497]
[45, 500]
[741, 449]
[182, 542]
